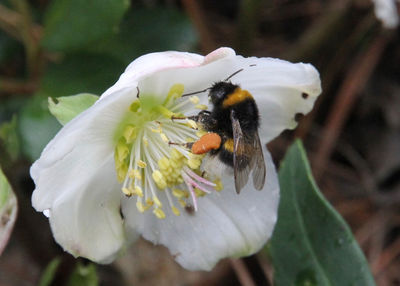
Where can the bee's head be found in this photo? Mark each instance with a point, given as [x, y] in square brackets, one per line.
[220, 90]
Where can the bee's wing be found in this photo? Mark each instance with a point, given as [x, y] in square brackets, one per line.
[240, 166]
[259, 171]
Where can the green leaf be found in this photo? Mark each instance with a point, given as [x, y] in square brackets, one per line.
[312, 244]
[36, 126]
[9, 137]
[148, 30]
[67, 107]
[9, 49]
[49, 272]
[8, 210]
[81, 73]
[71, 24]
[75, 74]
[84, 275]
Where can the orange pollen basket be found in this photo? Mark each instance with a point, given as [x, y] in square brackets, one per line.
[207, 142]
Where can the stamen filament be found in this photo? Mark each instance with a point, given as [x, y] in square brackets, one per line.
[150, 168]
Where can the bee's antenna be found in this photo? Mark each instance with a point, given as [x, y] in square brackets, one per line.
[196, 92]
[232, 75]
[208, 88]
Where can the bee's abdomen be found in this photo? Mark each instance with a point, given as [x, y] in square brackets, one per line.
[225, 154]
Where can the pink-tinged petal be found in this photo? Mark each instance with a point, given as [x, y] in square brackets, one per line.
[148, 64]
[219, 54]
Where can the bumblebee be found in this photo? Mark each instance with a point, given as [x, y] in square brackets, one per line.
[235, 119]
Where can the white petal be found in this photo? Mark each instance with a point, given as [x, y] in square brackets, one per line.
[150, 63]
[386, 11]
[276, 85]
[78, 150]
[86, 221]
[281, 90]
[225, 225]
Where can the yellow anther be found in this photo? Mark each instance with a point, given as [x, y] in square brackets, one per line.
[159, 179]
[194, 99]
[163, 163]
[189, 139]
[175, 154]
[157, 176]
[149, 202]
[135, 174]
[192, 124]
[182, 202]
[175, 211]
[164, 137]
[158, 130]
[162, 185]
[201, 133]
[145, 141]
[140, 206]
[178, 193]
[201, 106]
[194, 163]
[141, 164]
[130, 133]
[219, 186]
[157, 201]
[175, 164]
[159, 213]
[127, 192]
[131, 174]
[135, 106]
[138, 191]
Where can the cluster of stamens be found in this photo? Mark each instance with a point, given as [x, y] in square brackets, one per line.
[149, 167]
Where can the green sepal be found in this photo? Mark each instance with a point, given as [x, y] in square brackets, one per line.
[65, 108]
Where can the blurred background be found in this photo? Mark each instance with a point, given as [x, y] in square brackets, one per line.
[64, 47]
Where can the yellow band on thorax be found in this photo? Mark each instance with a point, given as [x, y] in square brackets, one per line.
[236, 97]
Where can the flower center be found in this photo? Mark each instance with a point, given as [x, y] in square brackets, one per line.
[148, 166]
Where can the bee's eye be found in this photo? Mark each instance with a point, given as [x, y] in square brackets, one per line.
[219, 90]
[218, 95]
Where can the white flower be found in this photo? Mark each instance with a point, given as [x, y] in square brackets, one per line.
[386, 11]
[121, 143]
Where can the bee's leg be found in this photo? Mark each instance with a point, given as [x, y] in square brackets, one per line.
[186, 145]
[202, 114]
[207, 120]
[194, 117]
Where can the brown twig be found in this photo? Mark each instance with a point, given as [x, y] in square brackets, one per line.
[333, 68]
[386, 258]
[242, 272]
[13, 86]
[358, 74]
[9, 22]
[266, 267]
[196, 15]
